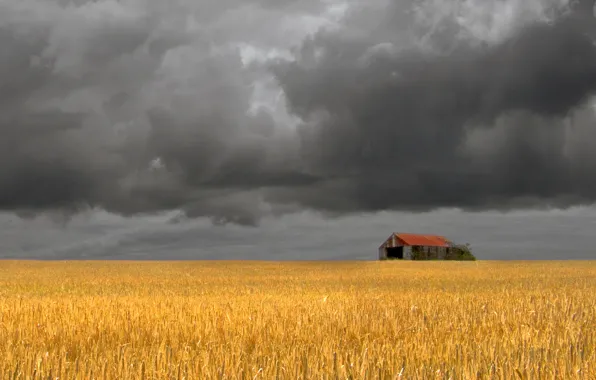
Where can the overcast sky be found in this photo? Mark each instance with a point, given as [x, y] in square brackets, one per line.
[513, 236]
[261, 129]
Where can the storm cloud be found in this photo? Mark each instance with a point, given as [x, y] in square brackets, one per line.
[236, 110]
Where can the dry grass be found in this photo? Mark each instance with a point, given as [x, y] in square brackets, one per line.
[173, 320]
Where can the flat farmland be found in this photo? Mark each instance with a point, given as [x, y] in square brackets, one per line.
[297, 320]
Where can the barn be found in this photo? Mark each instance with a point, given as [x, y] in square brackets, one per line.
[414, 247]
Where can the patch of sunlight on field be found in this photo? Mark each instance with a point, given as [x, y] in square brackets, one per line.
[207, 320]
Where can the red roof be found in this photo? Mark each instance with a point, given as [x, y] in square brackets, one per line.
[423, 240]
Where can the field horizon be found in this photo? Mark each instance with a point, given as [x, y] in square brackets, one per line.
[96, 319]
[271, 261]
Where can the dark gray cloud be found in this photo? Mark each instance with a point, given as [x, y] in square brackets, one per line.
[468, 125]
[237, 110]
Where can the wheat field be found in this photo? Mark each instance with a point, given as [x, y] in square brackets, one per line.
[255, 320]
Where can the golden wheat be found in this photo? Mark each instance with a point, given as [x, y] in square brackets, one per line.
[252, 320]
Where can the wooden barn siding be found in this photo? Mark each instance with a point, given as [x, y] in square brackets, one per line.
[441, 252]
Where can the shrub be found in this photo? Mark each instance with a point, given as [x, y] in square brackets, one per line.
[460, 252]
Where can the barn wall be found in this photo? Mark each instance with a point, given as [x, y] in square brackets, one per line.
[382, 253]
[442, 253]
[390, 242]
[407, 252]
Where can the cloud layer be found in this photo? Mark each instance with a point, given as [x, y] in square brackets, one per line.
[235, 110]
